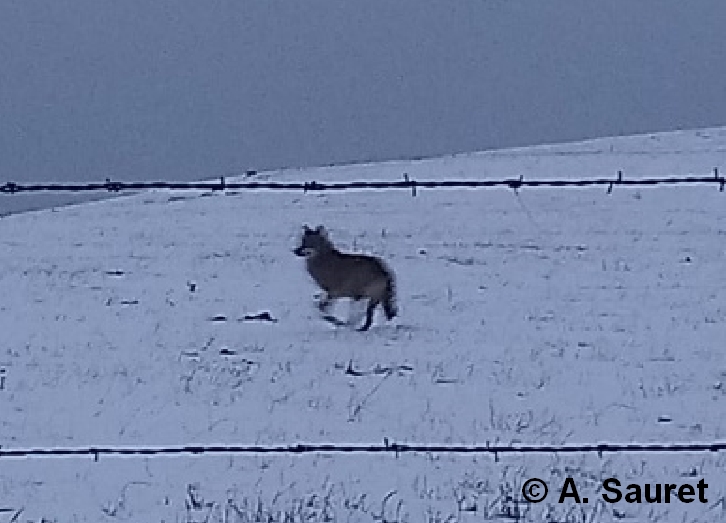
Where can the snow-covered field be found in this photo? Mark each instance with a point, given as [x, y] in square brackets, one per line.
[559, 316]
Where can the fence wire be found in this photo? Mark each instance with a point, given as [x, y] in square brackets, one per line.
[407, 183]
[385, 448]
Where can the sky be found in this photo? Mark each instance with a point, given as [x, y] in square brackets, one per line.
[183, 89]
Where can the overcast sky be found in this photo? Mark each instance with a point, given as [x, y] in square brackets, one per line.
[192, 89]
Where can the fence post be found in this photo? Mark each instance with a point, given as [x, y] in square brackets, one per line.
[516, 184]
[618, 181]
[113, 186]
[10, 187]
[412, 183]
[719, 179]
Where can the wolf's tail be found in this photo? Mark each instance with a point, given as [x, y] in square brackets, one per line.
[389, 299]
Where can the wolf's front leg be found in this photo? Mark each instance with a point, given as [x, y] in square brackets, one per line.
[324, 303]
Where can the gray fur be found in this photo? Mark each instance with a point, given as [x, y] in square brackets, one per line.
[344, 275]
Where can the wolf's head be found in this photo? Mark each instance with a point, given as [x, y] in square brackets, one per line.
[313, 242]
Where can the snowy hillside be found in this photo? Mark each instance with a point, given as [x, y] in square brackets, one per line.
[562, 316]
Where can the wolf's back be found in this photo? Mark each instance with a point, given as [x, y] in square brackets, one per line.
[351, 275]
[365, 272]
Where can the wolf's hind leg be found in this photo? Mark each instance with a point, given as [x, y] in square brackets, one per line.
[372, 304]
[390, 309]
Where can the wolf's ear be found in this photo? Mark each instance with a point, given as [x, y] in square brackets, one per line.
[306, 228]
[321, 231]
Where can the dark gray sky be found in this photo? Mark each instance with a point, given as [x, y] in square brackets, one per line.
[190, 89]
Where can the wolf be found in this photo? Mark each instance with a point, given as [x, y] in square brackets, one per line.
[346, 275]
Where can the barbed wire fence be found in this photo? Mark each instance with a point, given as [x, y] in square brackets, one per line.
[387, 447]
[406, 183]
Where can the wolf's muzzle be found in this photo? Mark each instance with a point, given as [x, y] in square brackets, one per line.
[300, 251]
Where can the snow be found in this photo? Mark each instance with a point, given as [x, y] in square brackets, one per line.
[556, 316]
